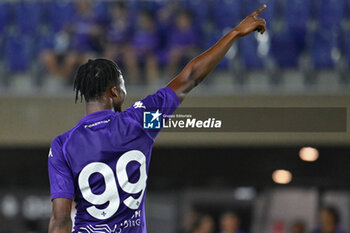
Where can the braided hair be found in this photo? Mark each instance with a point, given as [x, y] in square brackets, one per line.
[94, 77]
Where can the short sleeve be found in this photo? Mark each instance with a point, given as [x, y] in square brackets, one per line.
[60, 175]
[151, 109]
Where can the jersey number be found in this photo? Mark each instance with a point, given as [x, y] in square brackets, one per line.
[110, 193]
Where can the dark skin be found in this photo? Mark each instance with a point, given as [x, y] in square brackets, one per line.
[194, 73]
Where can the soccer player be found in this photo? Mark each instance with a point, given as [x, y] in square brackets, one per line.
[102, 163]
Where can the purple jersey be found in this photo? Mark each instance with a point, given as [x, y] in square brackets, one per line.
[102, 164]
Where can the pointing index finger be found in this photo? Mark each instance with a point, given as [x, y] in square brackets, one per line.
[258, 11]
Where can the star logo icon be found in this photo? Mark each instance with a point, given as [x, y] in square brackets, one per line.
[156, 115]
[152, 120]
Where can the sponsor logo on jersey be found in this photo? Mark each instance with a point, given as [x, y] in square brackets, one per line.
[97, 123]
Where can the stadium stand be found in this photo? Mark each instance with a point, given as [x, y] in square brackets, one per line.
[29, 27]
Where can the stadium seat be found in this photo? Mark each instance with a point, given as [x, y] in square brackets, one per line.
[212, 18]
[60, 13]
[101, 11]
[297, 16]
[322, 46]
[136, 6]
[153, 6]
[2, 47]
[5, 11]
[45, 40]
[251, 5]
[284, 50]
[210, 40]
[347, 48]
[200, 9]
[331, 13]
[157, 5]
[297, 12]
[226, 13]
[200, 12]
[28, 16]
[249, 53]
[19, 52]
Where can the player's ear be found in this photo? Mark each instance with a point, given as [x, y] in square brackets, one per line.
[114, 91]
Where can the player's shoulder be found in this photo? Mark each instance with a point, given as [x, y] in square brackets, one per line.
[152, 100]
[165, 91]
[161, 93]
[56, 145]
[59, 140]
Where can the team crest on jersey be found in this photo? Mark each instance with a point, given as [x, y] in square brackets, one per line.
[152, 119]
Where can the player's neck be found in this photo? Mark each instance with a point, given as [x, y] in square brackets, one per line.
[96, 106]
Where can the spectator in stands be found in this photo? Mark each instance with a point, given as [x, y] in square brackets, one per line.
[143, 49]
[188, 221]
[165, 16]
[53, 55]
[183, 42]
[329, 221]
[229, 223]
[118, 32]
[204, 224]
[298, 227]
[84, 34]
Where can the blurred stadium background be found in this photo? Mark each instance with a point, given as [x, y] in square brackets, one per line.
[302, 61]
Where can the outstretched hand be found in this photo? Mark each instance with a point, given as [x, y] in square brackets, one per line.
[252, 23]
[198, 68]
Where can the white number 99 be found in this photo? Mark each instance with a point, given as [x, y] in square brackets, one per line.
[110, 193]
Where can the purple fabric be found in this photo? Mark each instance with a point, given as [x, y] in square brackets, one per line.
[98, 144]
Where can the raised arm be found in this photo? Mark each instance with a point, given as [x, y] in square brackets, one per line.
[198, 68]
[60, 221]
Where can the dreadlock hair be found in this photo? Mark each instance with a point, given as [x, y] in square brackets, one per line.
[94, 77]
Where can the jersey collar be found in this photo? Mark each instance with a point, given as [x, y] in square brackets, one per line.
[98, 114]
